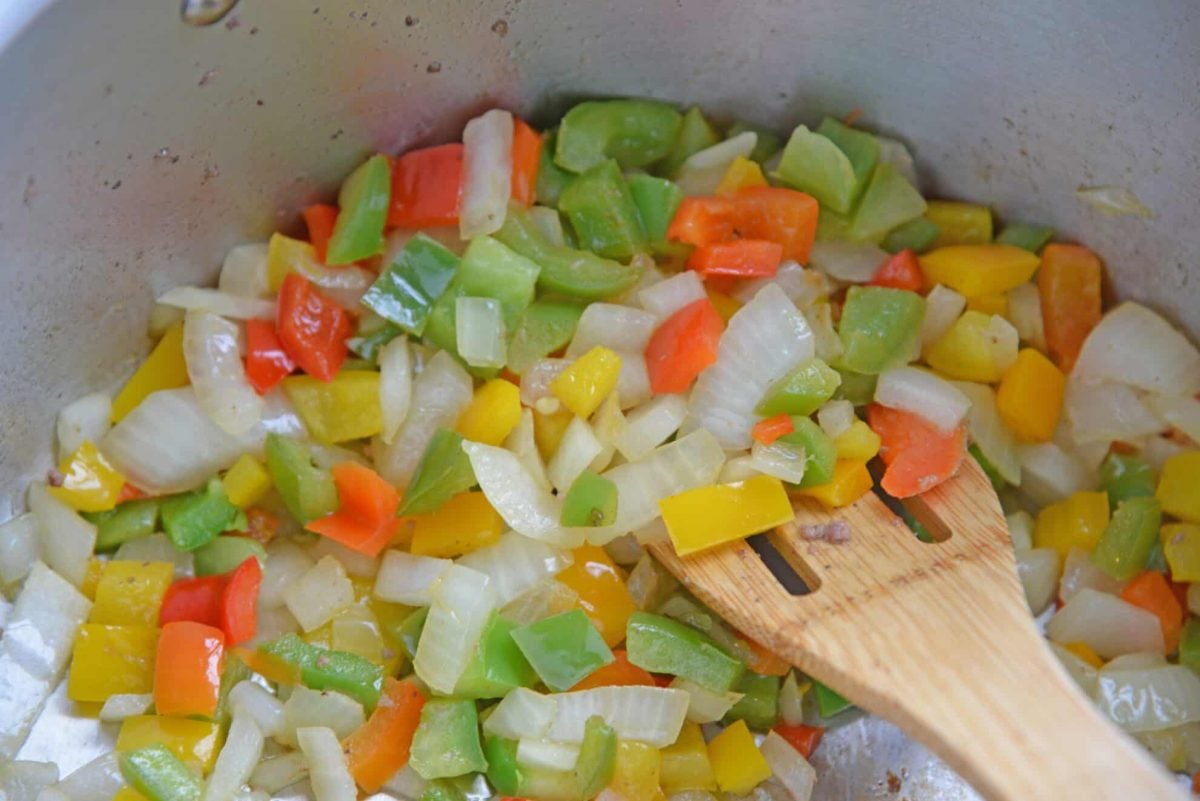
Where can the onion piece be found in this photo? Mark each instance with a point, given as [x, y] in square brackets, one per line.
[274, 774]
[652, 715]
[406, 578]
[942, 307]
[702, 172]
[1109, 625]
[1113, 201]
[764, 340]
[1181, 412]
[836, 417]
[305, 707]
[157, 548]
[608, 424]
[24, 780]
[535, 382]
[479, 332]
[1020, 529]
[1149, 699]
[633, 384]
[1025, 314]
[217, 302]
[544, 599]
[486, 173]
[988, 431]
[1134, 345]
[41, 627]
[895, 152]
[854, 262]
[829, 345]
[1104, 411]
[215, 369]
[924, 394]
[21, 697]
[20, 547]
[1084, 674]
[1038, 571]
[522, 713]
[319, 594]
[1157, 450]
[517, 497]
[789, 767]
[125, 705]
[650, 425]
[242, 749]
[87, 418]
[576, 450]
[546, 754]
[791, 701]
[440, 393]
[406, 783]
[1049, 474]
[344, 285]
[98, 780]
[252, 701]
[286, 562]
[67, 540]
[548, 222]
[704, 705]
[516, 563]
[619, 328]
[244, 271]
[670, 295]
[784, 462]
[395, 386]
[327, 771]
[463, 600]
[522, 444]
[1080, 572]
[803, 287]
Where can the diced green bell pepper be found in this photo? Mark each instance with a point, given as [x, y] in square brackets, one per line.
[1157, 560]
[576, 273]
[989, 469]
[546, 326]
[363, 203]
[695, 134]
[405, 292]
[829, 703]
[832, 227]
[1025, 236]
[662, 645]
[812, 163]
[888, 201]
[1128, 538]
[323, 669]
[880, 328]
[306, 490]
[551, 178]
[1124, 477]
[130, 521]
[195, 518]
[918, 235]
[498, 664]
[802, 391]
[225, 553]
[446, 743]
[600, 208]
[597, 758]
[443, 472]
[1189, 645]
[860, 147]
[858, 388]
[759, 705]
[155, 772]
[768, 143]
[657, 200]
[234, 671]
[563, 649]
[820, 453]
[590, 501]
[636, 133]
[368, 343]
[408, 633]
[503, 773]
[443, 790]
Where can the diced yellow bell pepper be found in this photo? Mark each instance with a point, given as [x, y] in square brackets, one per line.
[109, 660]
[1181, 547]
[492, 414]
[737, 763]
[1179, 486]
[1030, 396]
[685, 764]
[974, 270]
[246, 482]
[1085, 652]
[976, 347]
[743, 173]
[725, 305]
[90, 483]
[164, 368]
[602, 591]
[130, 593]
[989, 304]
[387, 616]
[92, 578]
[195, 742]
[960, 223]
[343, 409]
[851, 480]
[587, 381]
[858, 442]
[548, 430]
[127, 793]
[635, 777]
[705, 517]
[1076, 522]
[283, 254]
[465, 523]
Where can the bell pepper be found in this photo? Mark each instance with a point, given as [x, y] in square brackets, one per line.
[705, 517]
[759, 704]
[575, 273]
[1181, 548]
[636, 772]
[550, 177]
[563, 649]
[1124, 477]
[618, 673]
[380, 747]
[320, 220]
[804, 739]
[974, 270]
[1151, 591]
[111, 660]
[492, 414]
[321, 669]
[1130, 535]
[408, 633]
[503, 773]
[308, 491]
[918, 455]
[426, 187]
[695, 134]
[491, 269]
[89, 482]
[1189, 653]
[880, 328]
[187, 669]
[1179, 486]
[130, 520]
[832, 163]
[1030, 396]
[829, 701]
[363, 199]
[888, 201]
[683, 346]
[158, 774]
[770, 429]
[238, 615]
[737, 764]
[603, 595]
[1069, 286]
[858, 388]
[546, 326]
[857, 442]
[498, 665]
[372, 333]
[820, 452]
[784, 216]
[443, 472]
[977, 347]
[590, 501]
[312, 328]
[1076, 522]
[195, 518]
[851, 480]
[636, 133]
[446, 742]
[194, 742]
[602, 212]
[526, 156]
[587, 381]
[407, 290]
[685, 764]
[597, 761]
[194, 599]
[267, 363]
[225, 553]
[464, 523]
[365, 520]
[989, 469]
[661, 645]
[164, 368]
[743, 173]
[917, 235]
[344, 408]
[287, 256]
[743, 258]
[129, 593]
[769, 143]
[802, 391]
[1025, 236]
[960, 223]
[989, 304]
[901, 271]
[246, 482]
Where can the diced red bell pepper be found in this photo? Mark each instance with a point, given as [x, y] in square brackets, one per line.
[366, 519]
[770, 429]
[239, 600]
[901, 271]
[1069, 286]
[426, 187]
[742, 258]
[526, 155]
[129, 493]
[683, 346]
[320, 219]
[194, 599]
[783, 216]
[918, 455]
[312, 328]
[267, 363]
[804, 739]
[618, 673]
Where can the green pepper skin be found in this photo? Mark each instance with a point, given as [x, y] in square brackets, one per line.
[602, 212]
[130, 521]
[880, 328]
[662, 645]
[306, 490]
[636, 133]
[404, 294]
[322, 669]
[155, 772]
[363, 202]
[193, 519]
[563, 649]
[443, 472]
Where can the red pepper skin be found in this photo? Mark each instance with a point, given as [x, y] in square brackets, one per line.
[742, 258]
[267, 363]
[194, 599]
[770, 429]
[901, 271]
[426, 187]
[239, 620]
[526, 155]
[804, 739]
[312, 328]
[683, 346]
[320, 218]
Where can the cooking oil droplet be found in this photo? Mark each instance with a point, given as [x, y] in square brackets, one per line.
[206, 12]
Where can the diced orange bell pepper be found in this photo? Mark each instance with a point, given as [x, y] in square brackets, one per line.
[603, 595]
[366, 517]
[804, 739]
[683, 346]
[526, 154]
[1151, 591]
[1069, 286]
[426, 187]
[380, 746]
[618, 673]
[784, 216]
[187, 669]
[901, 271]
[765, 662]
[770, 429]
[918, 455]
[743, 258]
[320, 218]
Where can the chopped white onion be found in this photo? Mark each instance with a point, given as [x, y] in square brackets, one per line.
[704, 705]
[1080, 572]
[924, 394]
[406, 578]
[1020, 528]
[608, 424]
[85, 419]
[670, 295]
[249, 700]
[23, 780]
[619, 328]
[286, 562]
[41, 627]
[516, 563]
[214, 366]
[522, 713]
[1025, 313]
[242, 749]
[855, 262]
[125, 705]
[67, 540]
[98, 780]
[1134, 345]
[942, 307]
[1157, 450]
[274, 774]
[319, 594]
[1084, 674]
[789, 767]
[829, 345]
[737, 469]
[214, 301]
[1038, 570]
[356, 563]
[22, 694]
[1103, 411]
[305, 707]
[463, 600]
[517, 496]
[725, 394]
[157, 548]
[544, 599]
[650, 425]
[327, 771]
[546, 754]
[535, 382]
[1049, 474]
[548, 222]
[1113, 201]
[835, 417]
[987, 430]
[272, 624]
[1179, 411]
[804, 288]
[703, 170]
[244, 272]
[791, 701]
[652, 715]
[522, 444]
[344, 285]
[633, 384]
[486, 173]
[479, 332]
[1107, 624]
[440, 393]
[395, 386]
[649, 275]
[406, 783]
[784, 462]
[1153, 698]
[576, 450]
[20, 547]
[895, 152]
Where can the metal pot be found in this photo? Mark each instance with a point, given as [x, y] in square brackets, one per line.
[136, 149]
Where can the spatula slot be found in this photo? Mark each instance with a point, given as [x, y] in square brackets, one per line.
[915, 515]
[781, 567]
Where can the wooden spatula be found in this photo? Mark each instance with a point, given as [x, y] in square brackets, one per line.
[935, 637]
